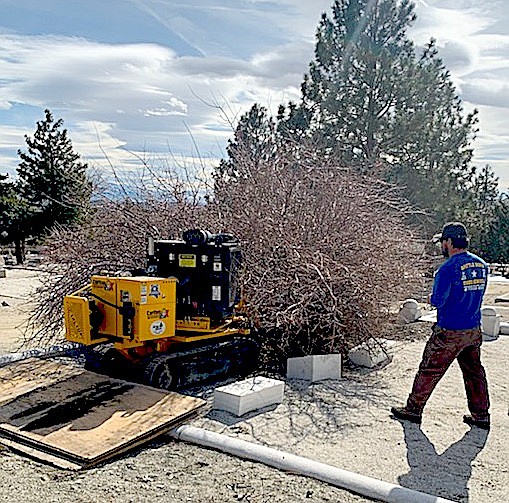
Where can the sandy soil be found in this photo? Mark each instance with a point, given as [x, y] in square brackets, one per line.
[343, 423]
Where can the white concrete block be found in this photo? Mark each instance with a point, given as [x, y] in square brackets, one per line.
[253, 393]
[3, 273]
[314, 367]
[504, 328]
[366, 356]
[431, 317]
[409, 311]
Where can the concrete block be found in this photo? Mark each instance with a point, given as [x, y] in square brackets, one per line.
[431, 317]
[504, 328]
[314, 367]
[3, 273]
[367, 356]
[409, 311]
[253, 393]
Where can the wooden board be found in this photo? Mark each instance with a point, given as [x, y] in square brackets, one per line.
[81, 417]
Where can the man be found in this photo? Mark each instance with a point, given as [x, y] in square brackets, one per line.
[458, 290]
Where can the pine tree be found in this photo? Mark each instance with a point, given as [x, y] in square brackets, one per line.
[359, 77]
[52, 183]
[253, 144]
[51, 180]
[13, 215]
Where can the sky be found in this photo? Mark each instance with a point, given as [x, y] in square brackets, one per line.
[168, 79]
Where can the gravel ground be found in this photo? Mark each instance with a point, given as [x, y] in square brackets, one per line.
[343, 423]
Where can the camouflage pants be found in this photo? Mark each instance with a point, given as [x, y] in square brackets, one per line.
[442, 348]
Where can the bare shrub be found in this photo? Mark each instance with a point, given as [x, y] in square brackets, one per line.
[326, 253]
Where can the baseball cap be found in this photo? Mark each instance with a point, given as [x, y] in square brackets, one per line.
[454, 230]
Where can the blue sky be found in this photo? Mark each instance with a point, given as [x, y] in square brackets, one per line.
[168, 79]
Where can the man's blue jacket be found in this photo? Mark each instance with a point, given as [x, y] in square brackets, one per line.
[458, 290]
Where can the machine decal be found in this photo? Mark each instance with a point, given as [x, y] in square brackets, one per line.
[157, 313]
[105, 285]
[187, 260]
[158, 327]
[216, 292]
[155, 291]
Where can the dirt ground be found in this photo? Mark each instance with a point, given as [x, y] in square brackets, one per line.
[343, 423]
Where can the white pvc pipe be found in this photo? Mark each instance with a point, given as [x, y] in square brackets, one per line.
[360, 484]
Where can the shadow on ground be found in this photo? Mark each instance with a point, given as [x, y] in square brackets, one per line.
[448, 472]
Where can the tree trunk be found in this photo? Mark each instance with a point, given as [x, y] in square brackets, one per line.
[20, 251]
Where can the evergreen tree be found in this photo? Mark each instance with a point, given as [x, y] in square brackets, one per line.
[480, 211]
[253, 144]
[359, 77]
[7, 197]
[52, 183]
[13, 213]
[375, 103]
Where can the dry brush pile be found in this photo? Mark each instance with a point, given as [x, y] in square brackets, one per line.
[325, 251]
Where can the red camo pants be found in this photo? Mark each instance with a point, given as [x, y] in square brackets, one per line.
[442, 348]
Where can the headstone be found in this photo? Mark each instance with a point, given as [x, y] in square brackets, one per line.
[490, 323]
[504, 328]
[367, 356]
[409, 311]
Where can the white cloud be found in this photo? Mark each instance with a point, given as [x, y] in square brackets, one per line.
[146, 97]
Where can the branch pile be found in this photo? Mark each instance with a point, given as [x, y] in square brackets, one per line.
[325, 252]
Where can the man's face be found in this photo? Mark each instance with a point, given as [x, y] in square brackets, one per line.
[445, 248]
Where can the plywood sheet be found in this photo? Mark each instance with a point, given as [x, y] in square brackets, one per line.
[81, 416]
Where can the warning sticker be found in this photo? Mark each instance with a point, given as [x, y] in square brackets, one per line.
[187, 260]
[216, 293]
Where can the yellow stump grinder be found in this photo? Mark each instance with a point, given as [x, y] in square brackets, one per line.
[176, 324]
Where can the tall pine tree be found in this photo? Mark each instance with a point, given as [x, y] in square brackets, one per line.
[52, 182]
[375, 103]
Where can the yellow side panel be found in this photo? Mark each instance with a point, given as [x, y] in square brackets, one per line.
[145, 290]
[155, 322]
[154, 300]
[105, 288]
[77, 321]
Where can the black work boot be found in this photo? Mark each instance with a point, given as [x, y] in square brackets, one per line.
[407, 415]
[484, 423]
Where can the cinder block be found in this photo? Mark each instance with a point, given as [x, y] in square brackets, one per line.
[367, 356]
[3, 273]
[253, 393]
[314, 367]
[504, 328]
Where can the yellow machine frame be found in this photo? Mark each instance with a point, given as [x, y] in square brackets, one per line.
[153, 315]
